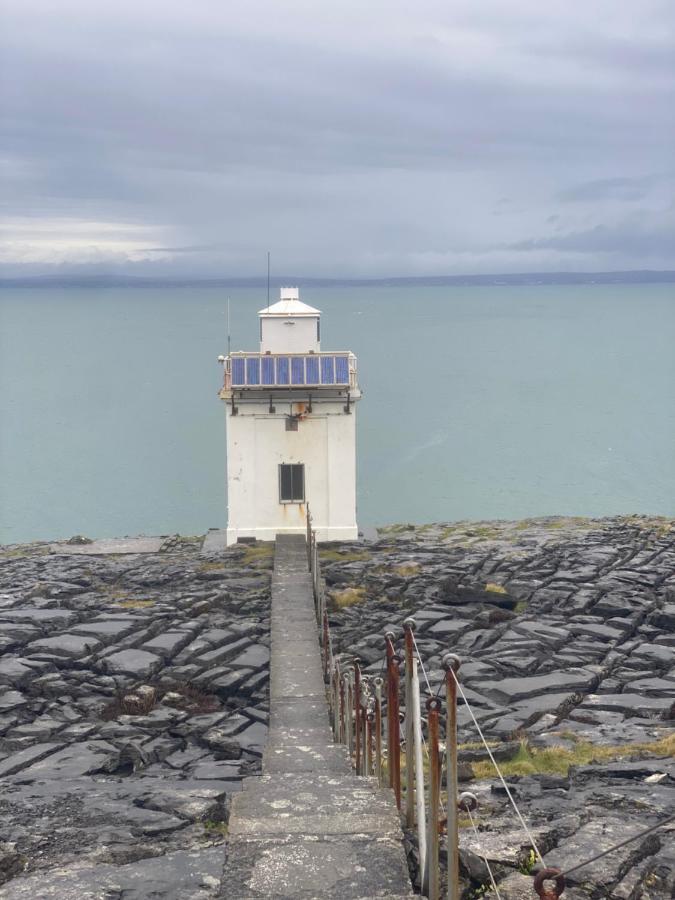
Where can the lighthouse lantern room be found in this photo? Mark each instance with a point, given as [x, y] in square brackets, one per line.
[291, 430]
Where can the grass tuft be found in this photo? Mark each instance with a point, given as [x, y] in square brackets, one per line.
[257, 552]
[348, 597]
[344, 555]
[495, 588]
[407, 570]
[557, 760]
[130, 603]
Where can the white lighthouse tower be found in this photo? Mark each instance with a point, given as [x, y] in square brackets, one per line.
[291, 430]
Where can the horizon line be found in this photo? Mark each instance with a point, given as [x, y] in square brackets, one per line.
[622, 276]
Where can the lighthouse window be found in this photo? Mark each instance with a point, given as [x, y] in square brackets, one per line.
[291, 483]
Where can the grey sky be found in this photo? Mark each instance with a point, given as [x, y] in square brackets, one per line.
[386, 138]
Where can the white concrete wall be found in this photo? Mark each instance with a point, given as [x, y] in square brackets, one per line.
[257, 443]
[295, 334]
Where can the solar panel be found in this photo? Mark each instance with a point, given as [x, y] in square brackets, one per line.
[238, 371]
[252, 370]
[327, 370]
[268, 370]
[312, 369]
[282, 370]
[297, 370]
[341, 370]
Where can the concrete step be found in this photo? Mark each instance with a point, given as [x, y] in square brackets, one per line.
[339, 867]
[283, 758]
[314, 804]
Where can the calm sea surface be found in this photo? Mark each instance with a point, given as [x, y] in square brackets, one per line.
[496, 402]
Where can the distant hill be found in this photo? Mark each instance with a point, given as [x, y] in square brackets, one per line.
[639, 276]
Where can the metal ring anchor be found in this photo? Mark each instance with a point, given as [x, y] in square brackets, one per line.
[545, 875]
[467, 802]
[451, 661]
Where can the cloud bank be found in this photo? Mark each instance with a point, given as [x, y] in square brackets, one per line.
[349, 139]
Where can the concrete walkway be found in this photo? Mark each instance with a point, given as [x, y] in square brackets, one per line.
[308, 827]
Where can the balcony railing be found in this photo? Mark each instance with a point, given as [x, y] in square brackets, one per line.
[260, 371]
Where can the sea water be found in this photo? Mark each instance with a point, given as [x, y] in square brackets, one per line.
[479, 403]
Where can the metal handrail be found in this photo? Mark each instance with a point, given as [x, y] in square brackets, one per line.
[357, 713]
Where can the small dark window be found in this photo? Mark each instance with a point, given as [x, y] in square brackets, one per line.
[318, 329]
[291, 423]
[291, 483]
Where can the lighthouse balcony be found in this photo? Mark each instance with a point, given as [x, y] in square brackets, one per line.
[288, 371]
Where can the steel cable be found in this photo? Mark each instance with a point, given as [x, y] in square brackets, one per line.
[484, 858]
[618, 846]
[498, 770]
[424, 671]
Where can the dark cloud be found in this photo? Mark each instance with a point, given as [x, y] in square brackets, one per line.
[621, 189]
[649, 236]
[348, 139]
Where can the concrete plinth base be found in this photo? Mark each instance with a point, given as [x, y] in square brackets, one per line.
[332, 533]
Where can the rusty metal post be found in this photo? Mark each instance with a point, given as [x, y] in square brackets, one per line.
[451, 664]
[349, 715]
[364, 730]
[338, 703]
[394, 749]
[308, 519]
[370, 725]
[326, 646]
[409, 628]
[378, 729]
[433, 873]
[317, 569]
[342, 737]
[357, 710]
[390, 653]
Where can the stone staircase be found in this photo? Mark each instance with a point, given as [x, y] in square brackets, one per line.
[308, 827]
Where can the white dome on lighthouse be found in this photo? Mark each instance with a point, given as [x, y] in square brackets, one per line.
[289, 325]
[289, 304]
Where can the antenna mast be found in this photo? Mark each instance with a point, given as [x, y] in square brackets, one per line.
[229, 337]
[268, 280]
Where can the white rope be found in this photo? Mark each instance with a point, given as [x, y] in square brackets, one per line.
[492, 878]
[424, 671]
[501, 777]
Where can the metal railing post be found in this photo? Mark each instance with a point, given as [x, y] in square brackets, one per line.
[309, 538]
[378, 730]
[357, 713]
[393, 721]
[350, 713]
[432, 868]
[416, 751]
[326, 646]
[451, 664]
[409, 627]
[370, 723]
[343, 730]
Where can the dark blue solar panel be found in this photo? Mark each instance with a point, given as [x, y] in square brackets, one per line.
[238, 371]
[312, 368]
[297, 370]
[341, 370]
[267, 370]
[282, 370]
[252, 370]
[327, 370]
